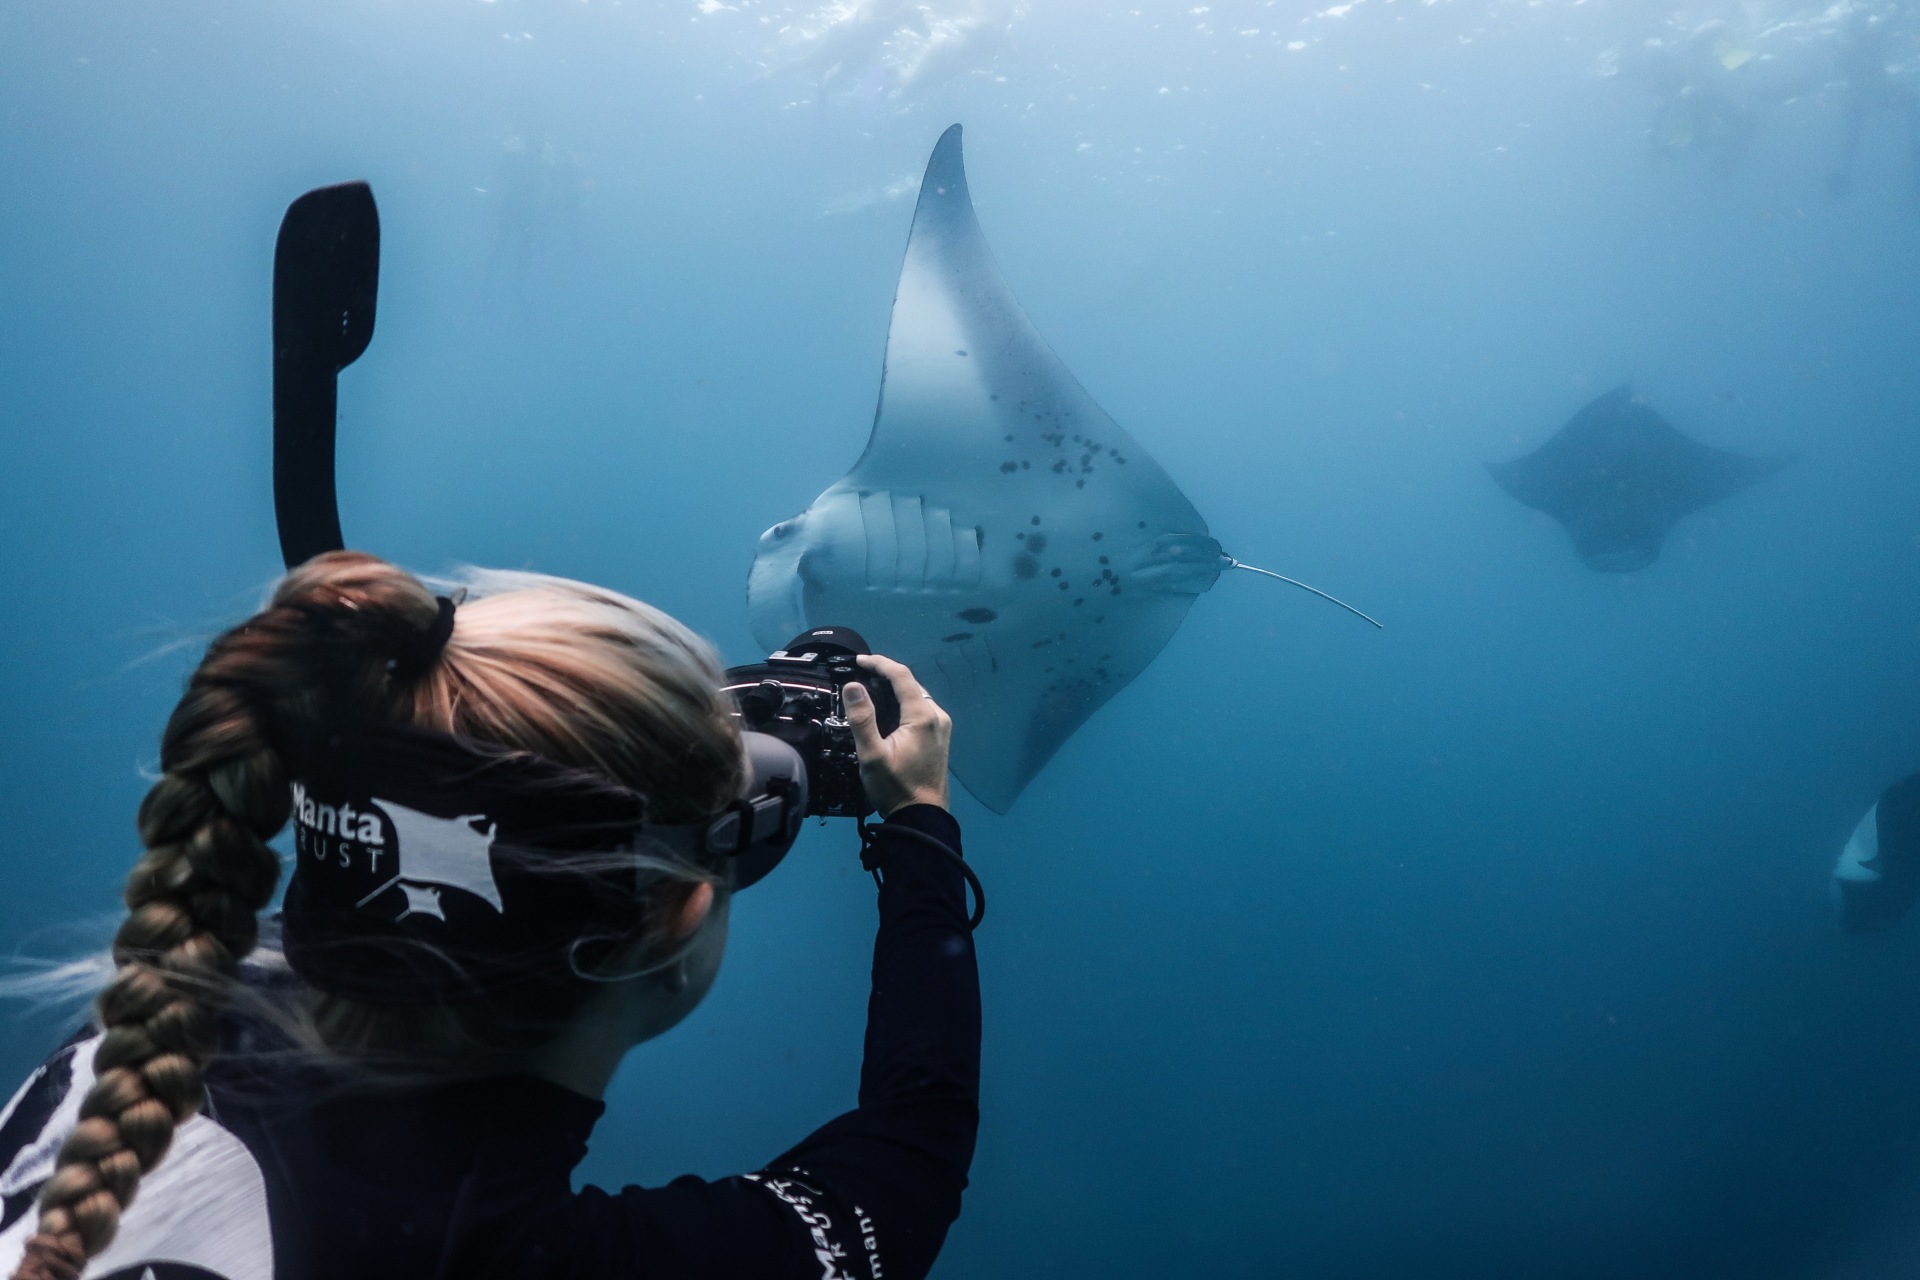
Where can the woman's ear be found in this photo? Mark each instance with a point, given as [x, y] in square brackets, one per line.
[693, 912]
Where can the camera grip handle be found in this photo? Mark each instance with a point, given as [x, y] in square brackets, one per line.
[886, 707]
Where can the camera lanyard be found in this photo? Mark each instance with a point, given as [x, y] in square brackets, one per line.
[871, 861]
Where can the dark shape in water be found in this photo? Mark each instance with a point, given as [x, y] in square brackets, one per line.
[1618, 476]
[1877, 876]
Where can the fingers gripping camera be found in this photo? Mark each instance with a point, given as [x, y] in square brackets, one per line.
[794, 697]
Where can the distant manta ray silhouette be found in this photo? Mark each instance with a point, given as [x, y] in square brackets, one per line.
[1618, 476]
[1001, 534]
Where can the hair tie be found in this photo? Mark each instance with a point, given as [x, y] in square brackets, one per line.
[422, 648]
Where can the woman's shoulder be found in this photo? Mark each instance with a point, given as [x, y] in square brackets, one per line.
[32, 1126]
[201, 1212]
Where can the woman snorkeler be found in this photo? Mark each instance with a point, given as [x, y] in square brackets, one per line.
[397, 1073]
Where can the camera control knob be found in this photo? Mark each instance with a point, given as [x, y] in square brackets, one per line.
[760, 704]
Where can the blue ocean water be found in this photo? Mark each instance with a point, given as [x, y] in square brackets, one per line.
[1494, 944]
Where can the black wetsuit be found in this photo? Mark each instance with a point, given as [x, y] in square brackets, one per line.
[472, 1181]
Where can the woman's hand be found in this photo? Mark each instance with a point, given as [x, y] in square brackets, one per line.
[909, 765]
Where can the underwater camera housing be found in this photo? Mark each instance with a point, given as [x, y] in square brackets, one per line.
[795, 696]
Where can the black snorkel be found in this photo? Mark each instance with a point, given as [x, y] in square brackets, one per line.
[326, 278]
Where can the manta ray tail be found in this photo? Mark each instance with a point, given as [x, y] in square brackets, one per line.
[1235, 564]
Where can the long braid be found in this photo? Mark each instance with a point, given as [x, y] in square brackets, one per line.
[194, 896]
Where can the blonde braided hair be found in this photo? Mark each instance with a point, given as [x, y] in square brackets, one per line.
[585, 676]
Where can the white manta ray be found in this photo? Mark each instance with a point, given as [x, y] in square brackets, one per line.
[1001, 535]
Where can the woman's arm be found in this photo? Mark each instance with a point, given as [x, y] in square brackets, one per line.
[870, 1194]
[896, 1166]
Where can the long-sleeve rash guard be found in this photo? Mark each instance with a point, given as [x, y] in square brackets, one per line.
[473, 1181]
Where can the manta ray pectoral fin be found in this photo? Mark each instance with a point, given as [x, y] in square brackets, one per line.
[1520, 483]
[1721, 474]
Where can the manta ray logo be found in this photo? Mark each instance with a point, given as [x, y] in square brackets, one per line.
[423, 855]
[436, 853]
